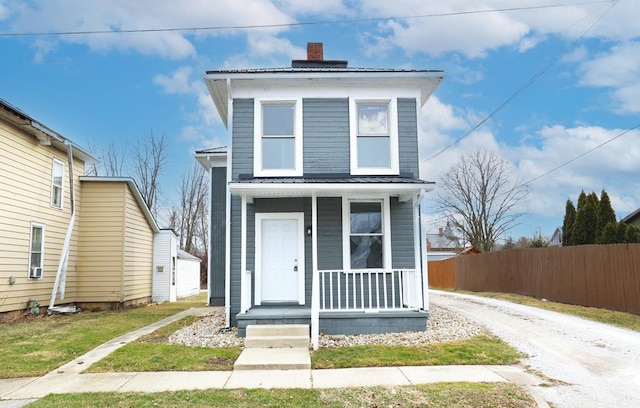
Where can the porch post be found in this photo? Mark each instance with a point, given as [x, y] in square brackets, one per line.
[245, 295]
[417, 244]
[315, 289]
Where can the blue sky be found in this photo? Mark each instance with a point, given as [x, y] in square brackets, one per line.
[583, 58]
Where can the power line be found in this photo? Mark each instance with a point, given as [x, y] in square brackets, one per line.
[582, 155]
[300, 24]
[527, 84]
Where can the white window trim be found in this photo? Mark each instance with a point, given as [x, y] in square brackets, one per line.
[299, 217]
[386, 231]
[394, 161]
[53, 166]
[38, 225]
[258, 171]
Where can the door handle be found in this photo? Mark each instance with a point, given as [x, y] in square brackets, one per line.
[295, 265]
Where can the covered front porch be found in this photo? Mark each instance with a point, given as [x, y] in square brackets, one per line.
[347, 323]
[293, 234]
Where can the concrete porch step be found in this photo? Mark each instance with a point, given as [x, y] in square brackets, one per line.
[277, 336]
[261, 330]
[297, 358]
[276, 342]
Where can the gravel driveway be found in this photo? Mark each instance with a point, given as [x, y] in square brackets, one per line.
[596, 365]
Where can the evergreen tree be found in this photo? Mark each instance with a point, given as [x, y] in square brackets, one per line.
[606, 215]
[633, 235]
[584, 228]
[593, 197]
[567, 224]
[621, 232]
[609, 234]
[582, 200]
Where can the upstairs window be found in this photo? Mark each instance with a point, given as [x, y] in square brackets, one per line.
[57, 174]
[278, 138]
[36, 251]
[374, 137]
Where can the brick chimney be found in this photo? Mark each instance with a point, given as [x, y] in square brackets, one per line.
[314, 51]
[315, 59]
[441, 231]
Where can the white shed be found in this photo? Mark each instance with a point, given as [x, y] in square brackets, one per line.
[176, 273]
[188, 275]
[165, 255]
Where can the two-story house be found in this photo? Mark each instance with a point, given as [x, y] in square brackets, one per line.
[315, 207]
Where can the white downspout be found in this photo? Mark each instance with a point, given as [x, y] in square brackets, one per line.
[423, 256]
[315, 285]
[227, 238]
[61, 275]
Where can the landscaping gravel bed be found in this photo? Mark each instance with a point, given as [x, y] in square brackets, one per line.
[442, 326]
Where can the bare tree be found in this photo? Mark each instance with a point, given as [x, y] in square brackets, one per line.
[480, 198]
[112, 161]
[149, 159]
[193, 208]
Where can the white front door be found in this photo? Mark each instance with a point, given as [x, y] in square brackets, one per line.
[279, 258]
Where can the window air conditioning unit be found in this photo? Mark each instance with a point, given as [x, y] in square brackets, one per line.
[35, 272]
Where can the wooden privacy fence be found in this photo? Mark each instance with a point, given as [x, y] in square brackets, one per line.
[606, 276]
[442, 274]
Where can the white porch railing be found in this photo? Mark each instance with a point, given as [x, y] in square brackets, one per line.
[368, 290]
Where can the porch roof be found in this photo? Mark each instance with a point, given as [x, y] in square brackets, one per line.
[328, 186]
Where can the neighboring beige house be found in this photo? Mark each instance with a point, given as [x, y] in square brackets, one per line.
[37, 212]
[116, 244]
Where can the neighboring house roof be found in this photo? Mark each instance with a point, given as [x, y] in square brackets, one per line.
[556, 238]
[631, 217]
[222, 82]
[470, 251]
[45, 135]
[185, 255]
[444, 240]
[438, 242]
[136, 193]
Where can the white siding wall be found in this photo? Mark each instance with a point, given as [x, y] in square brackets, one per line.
[164, 249]
[188, 278]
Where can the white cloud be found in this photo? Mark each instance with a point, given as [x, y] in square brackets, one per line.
[474, 35]
[202, 120]
[49, 16]
[619, 70]
[613, 167]
[328, 8]
[180, 82]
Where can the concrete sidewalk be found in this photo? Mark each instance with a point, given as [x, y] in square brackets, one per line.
[19, 392]
[68, 378]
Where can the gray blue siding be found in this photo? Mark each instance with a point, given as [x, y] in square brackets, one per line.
[402, 234]
[408, 136]
[218, 236]
[326, 135]
[242, 133]
[329, 233]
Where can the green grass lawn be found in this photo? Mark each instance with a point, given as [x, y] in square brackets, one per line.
[38, 345]
[620, 319]
[434, 395]
[479, 350]
[154, 353]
